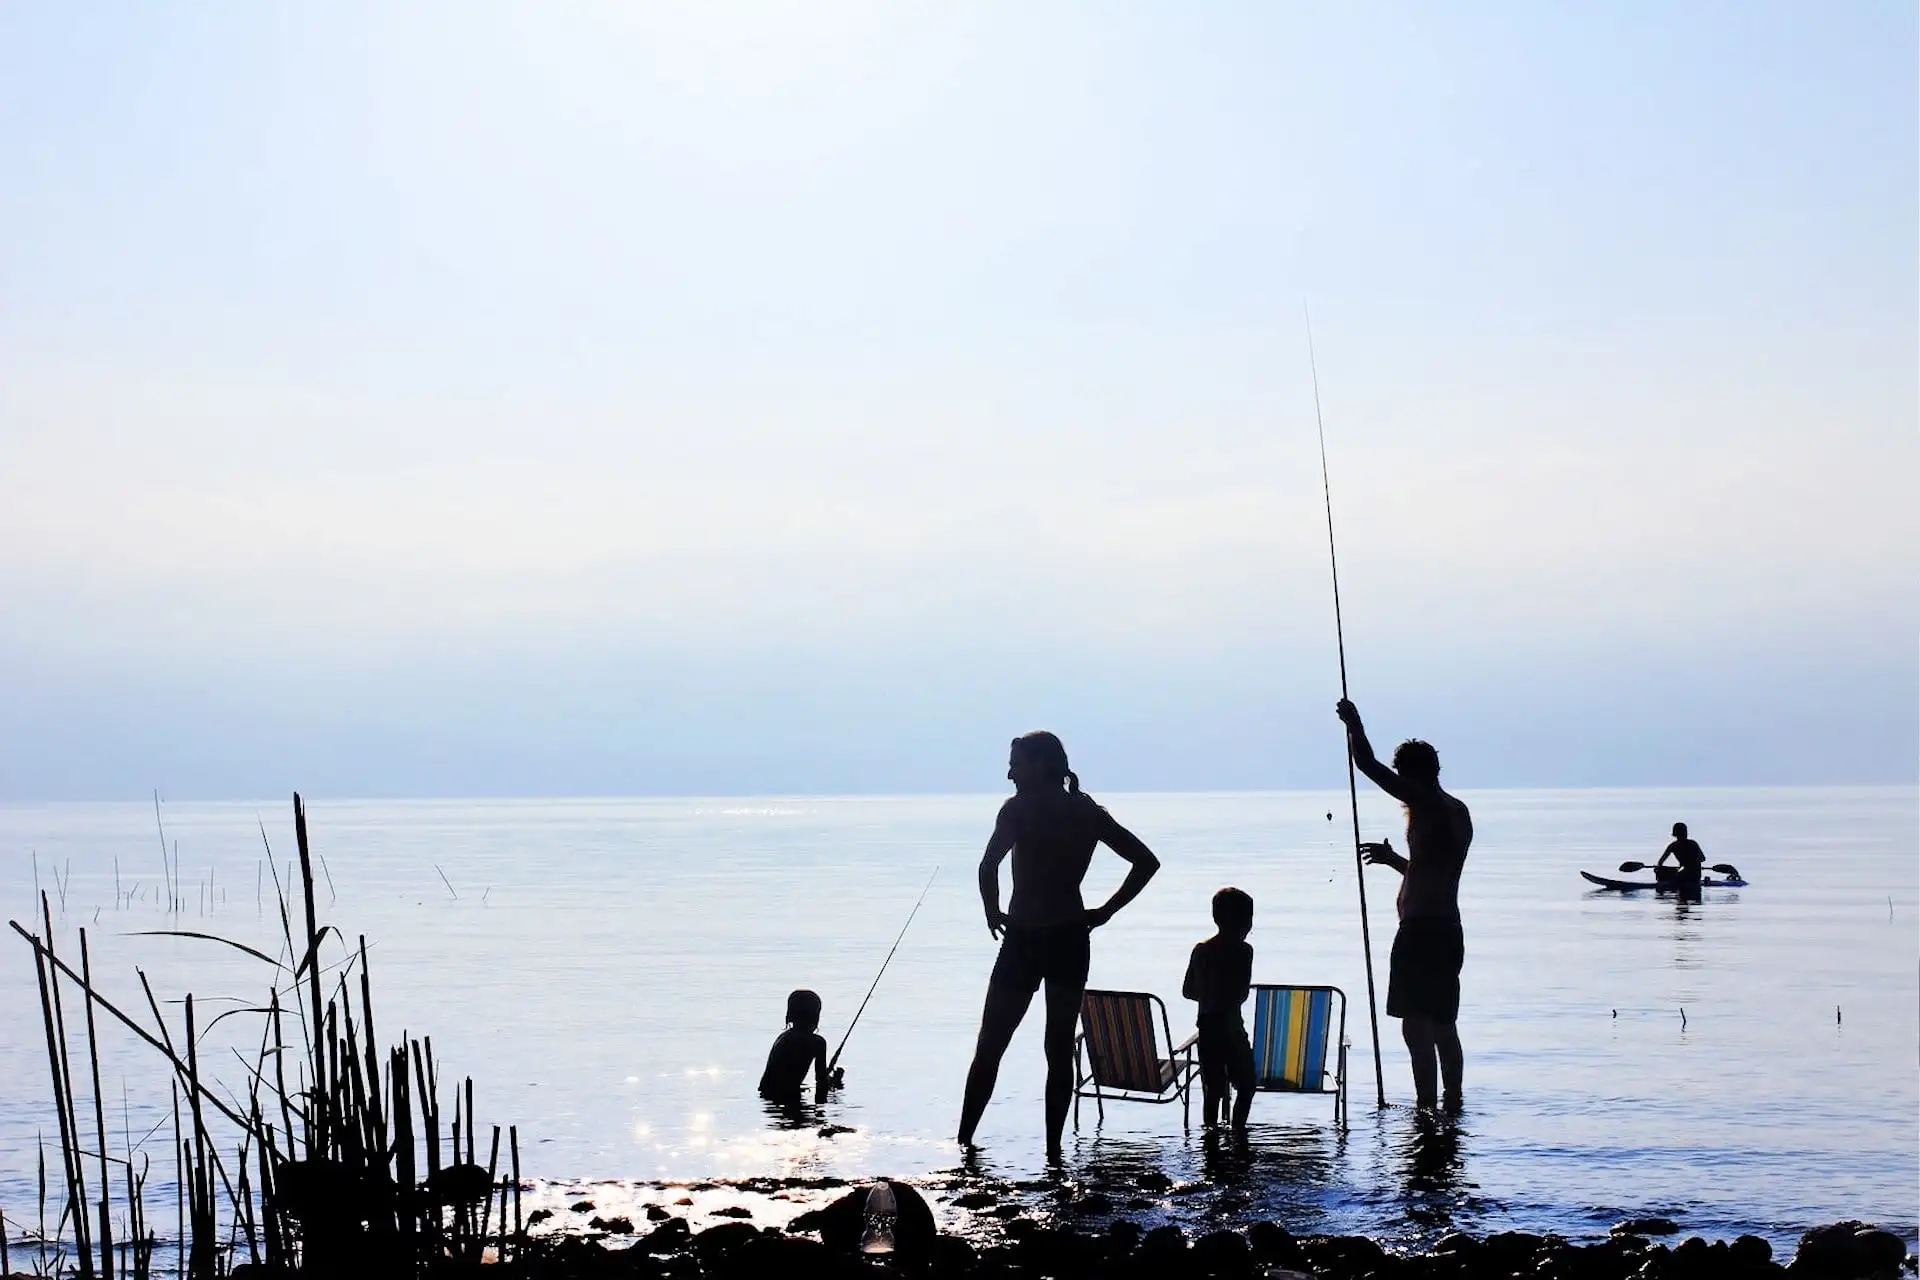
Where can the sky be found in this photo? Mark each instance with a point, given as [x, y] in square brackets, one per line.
[715, 398]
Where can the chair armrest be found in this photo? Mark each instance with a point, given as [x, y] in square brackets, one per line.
[1187, 1044]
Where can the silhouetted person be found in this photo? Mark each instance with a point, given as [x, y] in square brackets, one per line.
[797, 1050]
[1218, 976]
[1423, 978]
[1050, 827]
[1689, 857]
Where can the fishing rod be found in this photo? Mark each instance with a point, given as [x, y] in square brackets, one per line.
[835, 1060]
[1353, 787]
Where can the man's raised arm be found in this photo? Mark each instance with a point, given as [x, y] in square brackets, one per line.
[1363, 759]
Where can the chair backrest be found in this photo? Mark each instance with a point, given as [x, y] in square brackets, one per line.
[1292, 1027]
[1120, 1040]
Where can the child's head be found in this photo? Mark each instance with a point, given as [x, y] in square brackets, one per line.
[803, 1010]
[1233, 912]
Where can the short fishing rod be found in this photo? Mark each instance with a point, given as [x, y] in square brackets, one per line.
[835, 1060]
[1353, 787]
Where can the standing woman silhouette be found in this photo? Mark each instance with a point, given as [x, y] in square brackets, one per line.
[1050, 827]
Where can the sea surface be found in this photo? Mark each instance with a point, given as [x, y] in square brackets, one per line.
[611, 973]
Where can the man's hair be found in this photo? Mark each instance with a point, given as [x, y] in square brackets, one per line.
[1416, 759]
[803, 1009]
[1232, 906]
[1680, 830]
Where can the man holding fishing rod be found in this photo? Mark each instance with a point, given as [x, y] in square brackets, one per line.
[1423, 977]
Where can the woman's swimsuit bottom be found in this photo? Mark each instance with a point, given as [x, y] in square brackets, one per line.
[1054, 953]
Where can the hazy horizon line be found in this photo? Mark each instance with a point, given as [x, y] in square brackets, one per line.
[309, 798]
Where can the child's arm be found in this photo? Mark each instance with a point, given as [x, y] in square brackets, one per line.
[1191, 987]
[1243, 980]
[823, 1079]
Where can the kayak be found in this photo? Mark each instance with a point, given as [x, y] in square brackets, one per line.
[1628, 886]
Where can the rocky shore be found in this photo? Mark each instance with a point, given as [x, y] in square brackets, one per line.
[828, 1242]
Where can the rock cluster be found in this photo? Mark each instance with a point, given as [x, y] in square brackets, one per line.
[1030, 1250]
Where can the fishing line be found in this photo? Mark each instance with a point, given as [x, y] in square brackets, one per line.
[1353, 787]
[835, 1060]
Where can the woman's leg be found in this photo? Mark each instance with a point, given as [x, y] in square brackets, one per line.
[1063, 1015]
[1068, 958]
[1006, 1005]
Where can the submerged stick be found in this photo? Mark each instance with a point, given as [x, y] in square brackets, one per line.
[513, 1142]
[835, 1060]
[166, 867]
[1353, 786]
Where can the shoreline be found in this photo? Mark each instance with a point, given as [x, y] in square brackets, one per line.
[828, 1229]
[1059, 1227]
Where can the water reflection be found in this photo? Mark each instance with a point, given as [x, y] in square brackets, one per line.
[793, 1113]
[1430, 1156]
[1432, 1167]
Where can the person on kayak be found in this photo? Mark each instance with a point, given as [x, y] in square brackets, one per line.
[1050, 827]
[1423, 977]
[1687, 854]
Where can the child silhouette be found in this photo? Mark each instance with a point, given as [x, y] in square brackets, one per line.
[796, 1049]
[1218, 976]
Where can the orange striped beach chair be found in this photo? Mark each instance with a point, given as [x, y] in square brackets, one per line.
[1117, 1054]
[1293, 1033]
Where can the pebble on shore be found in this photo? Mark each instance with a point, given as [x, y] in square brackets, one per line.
[738, 1250]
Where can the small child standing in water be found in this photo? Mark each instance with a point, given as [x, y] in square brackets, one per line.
[795, 1050]
[1218, 977]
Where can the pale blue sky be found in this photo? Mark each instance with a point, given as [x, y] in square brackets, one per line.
[467, 399]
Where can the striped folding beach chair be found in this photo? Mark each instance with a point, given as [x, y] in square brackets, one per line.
[1293, 1029]
[1117, 1054]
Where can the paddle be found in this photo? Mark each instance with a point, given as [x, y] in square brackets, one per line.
[1726, 869]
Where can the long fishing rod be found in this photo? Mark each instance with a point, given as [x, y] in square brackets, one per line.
[1353, 787]
[835, 1060]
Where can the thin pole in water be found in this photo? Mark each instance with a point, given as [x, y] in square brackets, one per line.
[835, 1060]
[1353, 787]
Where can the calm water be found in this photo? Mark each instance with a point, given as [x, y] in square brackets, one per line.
[611, 973]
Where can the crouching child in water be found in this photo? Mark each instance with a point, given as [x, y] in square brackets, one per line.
[1218, 977]
[796, 1050]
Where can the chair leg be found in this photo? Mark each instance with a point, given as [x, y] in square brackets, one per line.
[1340, 1091]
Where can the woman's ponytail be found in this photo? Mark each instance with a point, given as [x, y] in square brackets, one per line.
[1045, 749]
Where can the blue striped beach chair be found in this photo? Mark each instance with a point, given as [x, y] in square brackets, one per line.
[1293, 1030]
[1117, 1054]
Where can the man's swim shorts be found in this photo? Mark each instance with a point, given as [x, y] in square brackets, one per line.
[1424, 978]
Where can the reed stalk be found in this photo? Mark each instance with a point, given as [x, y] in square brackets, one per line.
[99, 1114]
